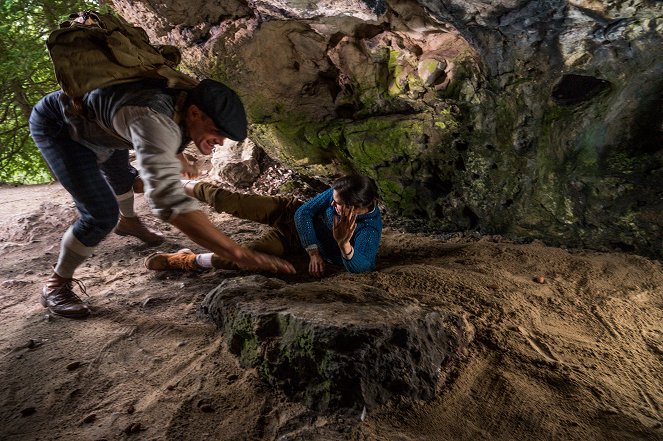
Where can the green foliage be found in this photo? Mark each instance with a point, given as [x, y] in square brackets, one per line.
[27, 75]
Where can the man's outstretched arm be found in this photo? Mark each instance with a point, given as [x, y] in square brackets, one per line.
[199, 229]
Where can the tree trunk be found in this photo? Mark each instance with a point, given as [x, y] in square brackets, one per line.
[21, 98]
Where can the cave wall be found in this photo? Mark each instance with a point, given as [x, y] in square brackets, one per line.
[539, 119]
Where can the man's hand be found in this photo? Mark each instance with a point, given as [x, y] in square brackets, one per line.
[189, 169]
[254, 260]
[316, 266]
[344, 228]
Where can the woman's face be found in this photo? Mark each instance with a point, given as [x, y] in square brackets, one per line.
[337, 203]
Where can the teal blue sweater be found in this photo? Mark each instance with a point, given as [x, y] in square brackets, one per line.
[315, 223]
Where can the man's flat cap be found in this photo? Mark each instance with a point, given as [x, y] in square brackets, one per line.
[223, 105]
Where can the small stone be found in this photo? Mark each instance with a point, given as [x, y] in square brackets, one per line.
[232, 378]
[540, 279]
[88, 419]
[27, 411]
[133, 428]
[207, 408]
[73, 365]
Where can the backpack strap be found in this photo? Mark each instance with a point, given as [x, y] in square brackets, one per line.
[178, 115]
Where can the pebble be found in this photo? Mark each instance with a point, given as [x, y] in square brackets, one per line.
[207, 408]
[27, 411]
[73, 365]
[232, 378]
[10, 283]
[540, 279]
[133, 428]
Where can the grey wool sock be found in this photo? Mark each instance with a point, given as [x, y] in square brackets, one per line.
[72, 254]
[126, 203]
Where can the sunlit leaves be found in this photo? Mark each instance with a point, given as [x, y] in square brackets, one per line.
[27, 75]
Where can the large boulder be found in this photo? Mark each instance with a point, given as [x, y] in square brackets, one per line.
[528, 118]
[337, 346]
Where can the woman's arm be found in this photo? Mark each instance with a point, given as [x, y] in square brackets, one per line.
[364, 251]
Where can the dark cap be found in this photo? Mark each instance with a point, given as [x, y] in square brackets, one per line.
[222, 104]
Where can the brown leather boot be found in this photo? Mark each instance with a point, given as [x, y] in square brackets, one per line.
[58, 296]
[183, 260]
[132, 226]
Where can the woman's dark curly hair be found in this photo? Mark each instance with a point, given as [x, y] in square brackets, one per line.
[356, 190]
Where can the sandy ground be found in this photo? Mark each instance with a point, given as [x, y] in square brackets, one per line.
[578, 357]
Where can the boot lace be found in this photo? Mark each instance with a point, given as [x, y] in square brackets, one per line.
[69, 286]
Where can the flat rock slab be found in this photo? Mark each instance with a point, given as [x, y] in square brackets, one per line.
[333, 345]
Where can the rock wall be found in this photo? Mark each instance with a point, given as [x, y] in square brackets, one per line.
[538, 119]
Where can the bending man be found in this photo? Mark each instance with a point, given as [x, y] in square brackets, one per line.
[87, 152]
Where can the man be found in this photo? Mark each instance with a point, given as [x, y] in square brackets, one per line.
[87, 151]
[341, 225]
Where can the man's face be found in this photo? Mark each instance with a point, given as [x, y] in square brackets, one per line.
[202, 130]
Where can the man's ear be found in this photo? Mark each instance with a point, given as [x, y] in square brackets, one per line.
[193, 111]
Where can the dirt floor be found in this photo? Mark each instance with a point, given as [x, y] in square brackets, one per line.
[577, 357]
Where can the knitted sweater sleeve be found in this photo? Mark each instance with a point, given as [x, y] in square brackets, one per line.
[366, 244]
[304, 218]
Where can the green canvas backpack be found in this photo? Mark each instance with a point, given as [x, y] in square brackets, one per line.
[92, 50]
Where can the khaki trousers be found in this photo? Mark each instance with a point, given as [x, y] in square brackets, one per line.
[277, 212]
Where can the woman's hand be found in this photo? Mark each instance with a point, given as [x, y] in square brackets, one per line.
[344, 227]
[316, 266]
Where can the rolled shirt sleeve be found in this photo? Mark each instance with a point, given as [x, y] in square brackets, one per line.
[156, 139]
